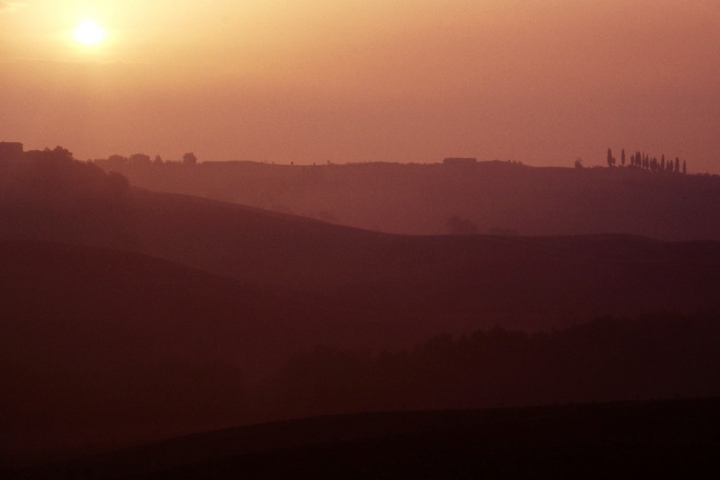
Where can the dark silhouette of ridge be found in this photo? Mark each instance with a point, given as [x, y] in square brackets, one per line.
[619, 440]
[651, 357]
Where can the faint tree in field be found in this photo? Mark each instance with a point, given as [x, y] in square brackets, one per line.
[503, 232]
[189, 159]
[158, 160]
[677, 165]
[328, 217]
[684, 168]
[609, 158]
[622, 157]
[461, 226]
[579, 162]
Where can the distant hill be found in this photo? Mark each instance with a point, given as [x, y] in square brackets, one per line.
[491, 197]
[406, 288]
[617, 440]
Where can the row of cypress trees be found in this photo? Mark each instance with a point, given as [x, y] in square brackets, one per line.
[643, 160]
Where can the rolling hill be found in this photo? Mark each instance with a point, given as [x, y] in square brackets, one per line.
[97, 344]
[406, 287]
[489, 197]
[130, 314]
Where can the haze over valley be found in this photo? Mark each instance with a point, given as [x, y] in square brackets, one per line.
[138, 315]
[359, 239]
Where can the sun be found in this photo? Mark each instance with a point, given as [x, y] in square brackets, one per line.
[89, 33]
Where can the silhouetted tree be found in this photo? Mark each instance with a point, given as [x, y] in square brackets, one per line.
[461, 226]
[117, 160]
[622, 157]
[677, 165]
[684, 167]
[503, 232]
[609, 158]
[158, 160]
[578, 162]
[189, 159]
[328, 217]
[57, 155]
[139, 159]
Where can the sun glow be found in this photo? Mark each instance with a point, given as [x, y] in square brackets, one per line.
[89, 33]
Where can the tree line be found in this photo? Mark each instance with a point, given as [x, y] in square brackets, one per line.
[643, 160]
[650, 357]
[56, 175]
[140, 159]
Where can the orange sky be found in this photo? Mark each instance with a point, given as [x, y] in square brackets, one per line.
[541, 81]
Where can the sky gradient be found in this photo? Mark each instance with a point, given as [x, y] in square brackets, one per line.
[542, 82]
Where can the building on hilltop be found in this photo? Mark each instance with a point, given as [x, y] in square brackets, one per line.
[459, 161]
[11, 150]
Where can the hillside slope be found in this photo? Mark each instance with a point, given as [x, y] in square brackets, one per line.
[97, 344]
[406, 287]
[491, 196]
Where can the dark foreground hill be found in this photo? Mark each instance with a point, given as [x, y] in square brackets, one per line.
[619, 440]
[97, 345]
[486, 197]
[100, 349]
[407, 288]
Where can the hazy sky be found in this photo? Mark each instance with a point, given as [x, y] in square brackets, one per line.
[541, 81]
